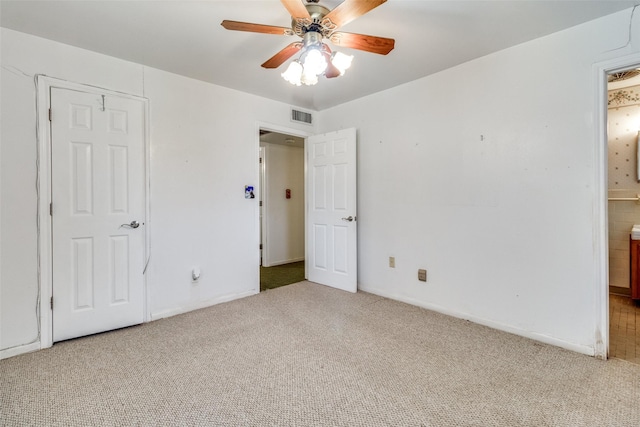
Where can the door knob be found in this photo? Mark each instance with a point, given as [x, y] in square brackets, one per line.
[132, 224]
[348, 219]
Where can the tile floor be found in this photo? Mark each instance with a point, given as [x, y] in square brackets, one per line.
[624, 328]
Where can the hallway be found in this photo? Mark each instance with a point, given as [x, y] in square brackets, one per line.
[624, 328]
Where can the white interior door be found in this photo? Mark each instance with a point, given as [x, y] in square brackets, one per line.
[261, 194]
[98, 194]
[331, 222]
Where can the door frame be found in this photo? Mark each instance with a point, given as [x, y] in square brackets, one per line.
[601, 214]
[293, 132]
[43, 190]
[262, 179]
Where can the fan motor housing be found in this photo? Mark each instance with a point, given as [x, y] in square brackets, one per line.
[317, 23]
[312, 38]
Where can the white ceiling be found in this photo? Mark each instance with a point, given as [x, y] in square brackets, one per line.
[281, 139]
[185, 37]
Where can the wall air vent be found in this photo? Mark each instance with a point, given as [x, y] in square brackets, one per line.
[301, 117]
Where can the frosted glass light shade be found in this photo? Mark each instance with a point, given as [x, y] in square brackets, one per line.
[309, 78]
[341, 61]
[314, 62]
[293, 74]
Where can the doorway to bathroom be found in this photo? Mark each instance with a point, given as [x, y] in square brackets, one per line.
[623, 211]
[282, 209]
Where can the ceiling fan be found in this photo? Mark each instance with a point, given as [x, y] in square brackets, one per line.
[313, 23]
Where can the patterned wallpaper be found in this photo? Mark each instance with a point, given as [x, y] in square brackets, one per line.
[623, 127]
[624, 123]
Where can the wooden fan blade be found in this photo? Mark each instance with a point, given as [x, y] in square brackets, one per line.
[296, 9]
[278, 59]
[256, 28]
[380, 45]
[349, 10]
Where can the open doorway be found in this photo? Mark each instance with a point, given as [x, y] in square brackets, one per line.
[282, 209]
[623, 212]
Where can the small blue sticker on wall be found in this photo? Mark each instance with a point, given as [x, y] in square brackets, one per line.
[248, 192]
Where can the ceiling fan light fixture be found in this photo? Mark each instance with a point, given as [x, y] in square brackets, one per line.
[341, 61]
[313, 62]
[309, 79]
[316, 60]
[314, 23]
[293, 74]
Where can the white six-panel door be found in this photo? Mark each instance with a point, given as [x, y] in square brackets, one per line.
[331, 222]
[97, 163]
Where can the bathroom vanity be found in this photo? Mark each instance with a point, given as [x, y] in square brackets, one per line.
[635, 268]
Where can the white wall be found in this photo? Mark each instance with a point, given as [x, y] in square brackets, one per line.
[284, 226]
[484, 175]
[204, 151]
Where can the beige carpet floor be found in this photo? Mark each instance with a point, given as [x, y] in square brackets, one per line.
[308, 355]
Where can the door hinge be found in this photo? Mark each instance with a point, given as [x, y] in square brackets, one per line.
[260, 245]
[49, 114]
[51, 303]
[50, 209]
[260, 157]
[260, 202]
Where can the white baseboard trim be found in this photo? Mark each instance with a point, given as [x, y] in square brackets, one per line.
[201, 304]
[18, 350]
[578, 348]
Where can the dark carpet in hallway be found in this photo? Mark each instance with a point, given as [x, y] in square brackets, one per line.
[280, 275]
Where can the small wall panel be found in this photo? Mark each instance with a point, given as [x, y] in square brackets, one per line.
[339, 146]
[319, 150]
[80, 117]
[119, 269]
[118, 179]
[319, 187]
[82, 273]
[340, 246]
[118, 122]
[82, 178]
[320, 246]
[340, 187]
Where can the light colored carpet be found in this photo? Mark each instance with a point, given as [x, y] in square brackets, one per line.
[307, 355]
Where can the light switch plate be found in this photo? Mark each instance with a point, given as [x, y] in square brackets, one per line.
[422, 275]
